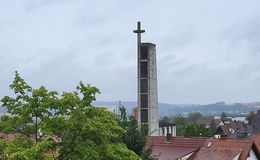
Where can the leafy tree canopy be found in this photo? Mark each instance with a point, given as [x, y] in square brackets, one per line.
[134, 137]
[193, 117]
[250, 116]
[223, 116]
[183, 128]
[86, 132]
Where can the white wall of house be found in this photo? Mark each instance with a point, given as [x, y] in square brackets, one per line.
[237, 156]
[252, 155]
[163, 131]
[217, 136]
[186, 156]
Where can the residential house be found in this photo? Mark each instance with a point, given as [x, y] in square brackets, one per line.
[256, 141]
[167, 129]
[207, 122]
[255, 122]
[172, 148]
[11, 136]
[226, 149]
[234, 129]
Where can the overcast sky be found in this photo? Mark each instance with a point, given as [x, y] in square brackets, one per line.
[207, 50]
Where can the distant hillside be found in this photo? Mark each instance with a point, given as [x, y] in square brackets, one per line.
[218, 108]
[166, 109]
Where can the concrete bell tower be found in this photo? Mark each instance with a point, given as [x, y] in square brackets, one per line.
[147, 99]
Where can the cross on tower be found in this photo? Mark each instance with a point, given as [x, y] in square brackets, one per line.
[139, 32]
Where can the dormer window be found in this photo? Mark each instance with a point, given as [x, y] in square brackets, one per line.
[231, 130]
[168, 138]
[209, 144]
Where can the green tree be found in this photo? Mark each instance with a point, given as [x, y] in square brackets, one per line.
[32, 106]
[165, 119]
[196, 130]
[14, 124]
[223, 116]
[2, 149]
[134, 137]
[23, 148]
[190, 129]
[180, 123]
[122, 118]
[147, 155]
[193, 117]
[250, 116]
[87, 132]
[213, 126]
[93, 133]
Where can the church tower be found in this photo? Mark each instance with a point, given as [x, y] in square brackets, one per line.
[147, 99]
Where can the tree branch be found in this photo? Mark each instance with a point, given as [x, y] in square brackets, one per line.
[65, 150]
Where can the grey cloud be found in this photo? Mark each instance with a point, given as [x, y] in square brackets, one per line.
[179, 40]
[202, 56]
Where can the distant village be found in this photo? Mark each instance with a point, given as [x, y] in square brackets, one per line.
[231, 138]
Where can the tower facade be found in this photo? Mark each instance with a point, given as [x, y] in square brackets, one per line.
[147, 99]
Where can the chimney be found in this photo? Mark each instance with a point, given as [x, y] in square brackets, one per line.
[187, 136]
[223, 137]
[168, 138]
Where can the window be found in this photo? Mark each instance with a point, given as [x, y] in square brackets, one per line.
[209, 144]
[144, 53]
[231, 130]
[144, 101]
[144, 86]
[144, 115]
[144, 69]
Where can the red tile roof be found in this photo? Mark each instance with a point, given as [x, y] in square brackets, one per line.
[223, 149]
[255, 122]
[177, 147]
[171, 153]
[256, 139]
[11, 136]
[46, 137]
[235, 129]
[208, 121]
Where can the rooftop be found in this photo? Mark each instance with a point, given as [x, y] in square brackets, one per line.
[256, 139]
[235, 129]
[175, 147]
[216, 149]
